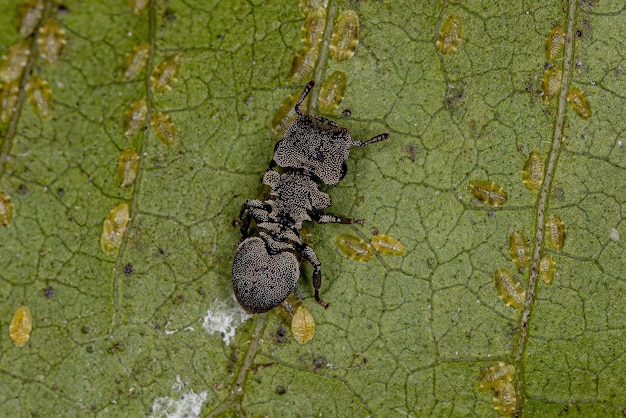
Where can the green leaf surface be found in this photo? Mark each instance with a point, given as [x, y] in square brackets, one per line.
[152, 328]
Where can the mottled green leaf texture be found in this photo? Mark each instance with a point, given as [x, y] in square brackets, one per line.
[132, 132]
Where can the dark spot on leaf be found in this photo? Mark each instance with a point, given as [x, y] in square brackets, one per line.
[320, 362]
[454, 100]
[281, 335]
[128, 269]
[411, 150]
[116, 348]
[558, 194]
[169, 15]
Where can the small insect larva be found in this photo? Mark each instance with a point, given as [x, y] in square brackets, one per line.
[138, 6]
[578, 102]
[21, 326]
[51, 41]
[285, 114]
[135, 61]
[534, 167]
[494, 375]
[354, 247]
[6, 209]
[331, 92]
[313, 28]
[345, 36]
[305, 60]
[555, 42]
[488, 192]
[307, 5]
[387, 245]
[504, 399]
[303, 325]
[499, 380]
[551, 83]
[9, 94]
[30, 15]
[509, 289]
[164, 128]
[135, 117]
[14, 62]
[303, 64]
[127, 167]
[518, 249]
[40, 96]
[164, 75]
[555, 231]
[547, 268]
[449, 38]
[114, 227]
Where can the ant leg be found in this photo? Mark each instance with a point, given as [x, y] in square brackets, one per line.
[377, 138]
[325, 218]
[326, 121]
[252, 209]
[305, 92]
[307, 253]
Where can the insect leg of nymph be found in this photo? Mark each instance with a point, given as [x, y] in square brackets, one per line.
[325, 218]
[308, 254]
[377, 138]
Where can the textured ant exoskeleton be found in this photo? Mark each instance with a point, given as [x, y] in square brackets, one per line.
[266, 266]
